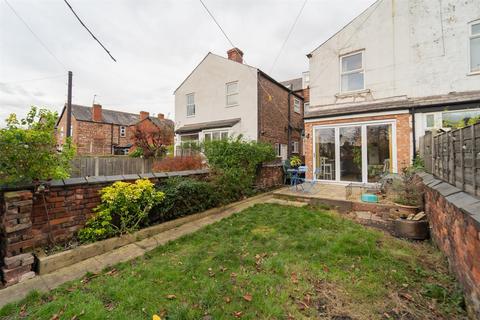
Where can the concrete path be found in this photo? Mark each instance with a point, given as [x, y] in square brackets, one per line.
[96, 264]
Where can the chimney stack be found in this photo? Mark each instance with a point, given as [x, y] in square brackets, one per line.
[161, 116]
[235, 54]
[97, 113]
[144, 115]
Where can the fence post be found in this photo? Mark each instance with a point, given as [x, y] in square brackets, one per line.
[462, 163]
[474, 159]
[97, 166]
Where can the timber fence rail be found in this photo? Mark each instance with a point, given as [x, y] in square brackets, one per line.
[454, 157]
[109, 166]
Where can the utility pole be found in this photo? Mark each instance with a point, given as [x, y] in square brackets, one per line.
[69, 105]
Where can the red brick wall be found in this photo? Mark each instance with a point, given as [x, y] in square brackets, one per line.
[457, 233]
[404, 132]
[150, 129]
[273, 114]
[269, 176]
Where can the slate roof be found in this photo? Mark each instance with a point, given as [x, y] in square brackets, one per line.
[451, 98]
[297, 84]
[84, 113]
[191, 128]
[160, 122]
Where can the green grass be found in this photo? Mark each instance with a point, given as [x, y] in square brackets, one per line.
[294, 263]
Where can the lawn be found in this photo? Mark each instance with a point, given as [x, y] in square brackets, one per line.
[267, 262]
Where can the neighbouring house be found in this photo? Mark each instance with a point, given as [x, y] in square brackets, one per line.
[300, 86]
[152, 134]
[225, 97]
[396, 70]
[98, 131]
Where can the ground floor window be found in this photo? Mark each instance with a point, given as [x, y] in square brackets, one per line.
[215, 135]
[120, 151]
[451, 119]
[360, 152]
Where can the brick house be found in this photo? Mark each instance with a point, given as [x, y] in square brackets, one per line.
[98, 131]
[223, 97]
[396, 70]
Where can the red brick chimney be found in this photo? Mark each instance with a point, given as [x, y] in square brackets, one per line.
[235, 54]
[144, 115]
[161, 116]
[97, 112]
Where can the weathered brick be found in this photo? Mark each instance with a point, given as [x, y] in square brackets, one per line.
[19, 260]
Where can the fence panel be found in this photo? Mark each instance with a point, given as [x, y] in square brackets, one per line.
[454, 157]
[109, 166]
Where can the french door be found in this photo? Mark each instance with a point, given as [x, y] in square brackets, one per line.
[354, 152]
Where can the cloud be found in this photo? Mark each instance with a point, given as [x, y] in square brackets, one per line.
[156, 43]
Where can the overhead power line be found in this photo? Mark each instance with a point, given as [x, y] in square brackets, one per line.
[288, 35]
[35, 35]
[83, 24]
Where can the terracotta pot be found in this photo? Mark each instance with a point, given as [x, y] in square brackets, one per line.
[410, 229]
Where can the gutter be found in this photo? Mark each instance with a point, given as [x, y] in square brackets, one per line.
[289, 130]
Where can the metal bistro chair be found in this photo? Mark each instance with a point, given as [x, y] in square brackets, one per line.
[305, 184]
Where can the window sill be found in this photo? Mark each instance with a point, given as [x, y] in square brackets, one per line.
[192, 116]
[351, 93]
[231, 106]
[473, 73]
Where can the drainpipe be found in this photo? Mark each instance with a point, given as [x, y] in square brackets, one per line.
[289, 130]
[111, 138]
[412, 112]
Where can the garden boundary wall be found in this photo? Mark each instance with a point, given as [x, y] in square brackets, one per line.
[32, 219]
[454, 218]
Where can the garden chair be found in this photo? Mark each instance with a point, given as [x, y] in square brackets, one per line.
[287, 176]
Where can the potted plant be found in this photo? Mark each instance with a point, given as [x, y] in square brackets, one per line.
[295, 162]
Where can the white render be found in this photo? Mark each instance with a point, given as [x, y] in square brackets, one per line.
[208, 82]
[412, 48]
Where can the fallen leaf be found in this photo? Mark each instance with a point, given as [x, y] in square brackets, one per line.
[55, 317]
[247, 297]
[171, 296]
[293, 277]
[237, 314]
[227, 299]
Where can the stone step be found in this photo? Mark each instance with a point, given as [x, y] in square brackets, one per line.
[287, 202]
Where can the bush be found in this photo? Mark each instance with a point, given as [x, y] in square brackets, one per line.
[178, 164]
[124, 208]
[183, 196]
[28, 149]
[234, 163]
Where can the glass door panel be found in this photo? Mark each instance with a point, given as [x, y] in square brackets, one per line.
[379, 151]
[351, 153]
[325, 154]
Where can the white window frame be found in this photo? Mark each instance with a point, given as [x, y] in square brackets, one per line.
[190, 105]
[306, 106]
[62, 132]
[470, 38]
[363, 125]
[231, 94]
[210, 132]
[295, 145]
[362, 70]
[123, 131]
[297, 105]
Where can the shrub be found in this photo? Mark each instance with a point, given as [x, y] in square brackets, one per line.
[178, 164]
[28, 149]
[406, 189]
[125, 206]
[183, 196]
[234, 163]
[295, 161]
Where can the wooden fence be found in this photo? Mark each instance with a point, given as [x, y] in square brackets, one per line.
[109, 166]
[454, 157]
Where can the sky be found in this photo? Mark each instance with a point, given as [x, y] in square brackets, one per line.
[156, 43]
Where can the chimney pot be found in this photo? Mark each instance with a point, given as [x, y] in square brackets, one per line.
[144, 115]
[97, 112]
[161, 116]
[235, 54]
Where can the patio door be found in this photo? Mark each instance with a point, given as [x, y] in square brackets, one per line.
[357, 152]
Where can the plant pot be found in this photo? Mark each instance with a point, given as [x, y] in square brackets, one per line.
[410, 229]
[403, 209]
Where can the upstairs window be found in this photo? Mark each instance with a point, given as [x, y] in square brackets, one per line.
[123, 131]
[352, 72]
[294, 146]
[305, 79]
[306, 106]
[232, 94]
[475, 47]
[190, 105]
[296, 105]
